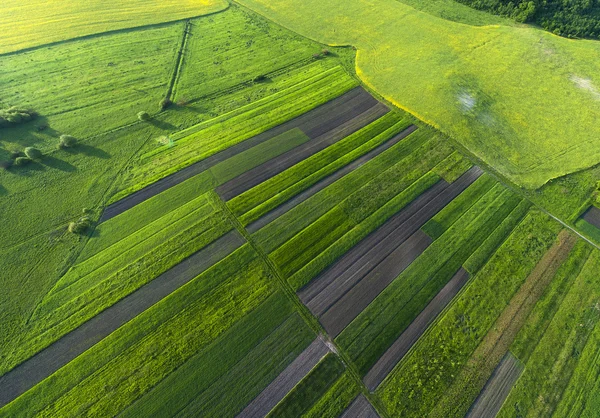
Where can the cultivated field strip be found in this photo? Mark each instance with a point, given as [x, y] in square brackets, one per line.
[311, 191]
[316, 114]
[360, 408]
[357, 264]
[353, 296]
[285, 382]
[490, 400]
[409, 337]
[44, 363]
[592, 216]
[349, 116]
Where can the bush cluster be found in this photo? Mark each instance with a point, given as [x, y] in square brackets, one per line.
[143, 116]
[67, 141]
[80, 226]
[14, 115]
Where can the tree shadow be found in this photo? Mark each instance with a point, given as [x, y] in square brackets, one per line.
[26, 170]
[88, 150]
[166, 126]
[3, 190]
[57, 164]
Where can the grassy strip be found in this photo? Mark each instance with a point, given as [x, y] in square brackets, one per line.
[146, 212]
[272, 320]
[261, 153]
[550, 366]
[377, 327]
[454, 166]
[494, 346]
[308, 391]
[444, 219]
[137, 356]
[362, 190]
[588, 230]
[262, 115]
[417, 383]
[335, 401]
[544, 311]
[64, 311]
[257, 201]
[482, 254]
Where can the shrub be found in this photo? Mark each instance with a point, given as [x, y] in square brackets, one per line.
[16, 154]
[80, 226]
[14, 115]
[21, 161]
[325, 52]
[33, 153]
[165, 103]
[184, 101]
[259, 78]
[67, 141]
[143, 116]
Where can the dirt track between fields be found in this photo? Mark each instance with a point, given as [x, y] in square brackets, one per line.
[352, 114]
[409, 337]
[331, 296]
[360, 408]
[332, 178]
[286, 381]
[49, 360]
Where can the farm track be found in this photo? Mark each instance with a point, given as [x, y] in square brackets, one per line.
[496, 390]
[592, 216]
[348, 117]
[286, 381]
[190, 171]
[409, 337]
[332, 178]
[334, 286]
[360, 408]
[49, 360]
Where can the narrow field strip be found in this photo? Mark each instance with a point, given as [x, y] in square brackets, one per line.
[192, 170]
[286, 381]
[44, 363]
[349, 116]
[497, 388]
[409, 337]
[360, 408]
[355, 298]
[311, 191]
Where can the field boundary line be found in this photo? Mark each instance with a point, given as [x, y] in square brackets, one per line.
[303, 311]
[179, 60]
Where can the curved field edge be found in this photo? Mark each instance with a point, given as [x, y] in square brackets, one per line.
[37, 22]
[508, 94]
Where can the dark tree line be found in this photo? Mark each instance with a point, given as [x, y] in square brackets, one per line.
[570, 18]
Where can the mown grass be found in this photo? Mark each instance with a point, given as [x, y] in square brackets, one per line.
[250, 353]
[132, 360]
[40, 22]
[419, 381]
[257, 201]
[567, 322]
[509, 94]
[308, 391]
[381, 323]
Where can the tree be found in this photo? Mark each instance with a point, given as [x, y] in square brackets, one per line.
[67, 141]
[143, 116]
[33, 153]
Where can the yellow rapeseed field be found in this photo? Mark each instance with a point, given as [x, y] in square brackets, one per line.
[25, 24]
[523, 100]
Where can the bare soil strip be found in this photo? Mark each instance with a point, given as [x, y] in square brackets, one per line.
[43, 364]
[592, 216]
[317, 187]
[348, 118]
[352, 299]
[330, 287]
[496, 390]
[163, 184]
[360, 408]
[472, 378]
[286, 381]
[409, 337]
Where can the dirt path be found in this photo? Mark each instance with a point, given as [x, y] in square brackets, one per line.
[409, 337]
[49, 360]
[320, 185]
[286, 381]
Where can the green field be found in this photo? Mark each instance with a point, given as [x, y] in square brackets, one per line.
[510, 95]
[218, 247]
